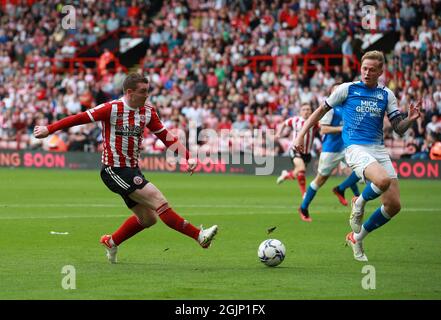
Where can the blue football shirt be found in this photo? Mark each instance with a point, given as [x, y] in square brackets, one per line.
[333, 142]
[363, 111]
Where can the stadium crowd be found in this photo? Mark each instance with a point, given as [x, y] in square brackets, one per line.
[198, 67]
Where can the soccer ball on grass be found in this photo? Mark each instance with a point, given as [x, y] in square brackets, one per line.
[271, 252]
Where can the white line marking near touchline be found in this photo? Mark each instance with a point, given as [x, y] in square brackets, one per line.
[232, 206]
[281, 210]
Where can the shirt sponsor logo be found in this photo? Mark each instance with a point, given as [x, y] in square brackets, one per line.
[369, 107]
[128, 131]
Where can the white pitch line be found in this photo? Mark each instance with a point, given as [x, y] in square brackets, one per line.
[99, 205]
[228, 206]
[290, 211]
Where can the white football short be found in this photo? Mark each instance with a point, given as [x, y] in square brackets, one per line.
[358, 157]
[329, 161]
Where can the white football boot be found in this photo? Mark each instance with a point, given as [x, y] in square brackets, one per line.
[206, 236]
[357, 247]
[282, 176]
[111, 248]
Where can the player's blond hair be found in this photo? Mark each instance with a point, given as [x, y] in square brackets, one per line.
[374, 55]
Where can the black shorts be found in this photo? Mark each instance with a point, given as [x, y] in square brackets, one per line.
[295, 154]
[123, 181]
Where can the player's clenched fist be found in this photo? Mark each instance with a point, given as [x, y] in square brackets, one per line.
[41, 132]
[192, 163]
[298, 144]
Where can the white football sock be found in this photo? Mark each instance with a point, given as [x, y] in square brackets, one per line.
[361, 235]
[360, 202]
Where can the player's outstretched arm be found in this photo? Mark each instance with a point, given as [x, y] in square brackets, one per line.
[75, 120]
[312, 121]
[400, 124]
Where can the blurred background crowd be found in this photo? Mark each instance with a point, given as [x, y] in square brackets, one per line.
[204, 61]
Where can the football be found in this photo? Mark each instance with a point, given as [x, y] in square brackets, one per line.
[271, 252]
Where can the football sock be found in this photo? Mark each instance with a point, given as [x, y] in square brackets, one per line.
[310, 194]
[128, 229]
[349, 182]
[376, 220]
[301, 181]
[354, 188]
[370, 192]
[361, 235]
[175, 221]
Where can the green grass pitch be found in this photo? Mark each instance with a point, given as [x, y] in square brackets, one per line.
[160, 263]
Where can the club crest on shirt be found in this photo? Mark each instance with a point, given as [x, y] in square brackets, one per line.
[137, 180]
[380, 96]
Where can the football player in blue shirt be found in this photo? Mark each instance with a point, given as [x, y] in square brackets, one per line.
[365, 103]
[331, 126]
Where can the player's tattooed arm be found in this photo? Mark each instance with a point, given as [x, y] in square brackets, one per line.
[326, 107]
[401, 124]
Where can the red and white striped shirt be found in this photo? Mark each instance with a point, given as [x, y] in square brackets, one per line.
[296, 124]
[122, 130]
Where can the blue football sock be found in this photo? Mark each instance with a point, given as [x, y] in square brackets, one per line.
[371, 192]
[376, 220]
[348, 182]
[309, 195]
[354, 188]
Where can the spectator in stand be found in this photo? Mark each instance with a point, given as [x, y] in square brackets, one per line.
[112, 23]
[105, 59]
[433, 129]
[407, 15]
[224, 123]
[134, 10]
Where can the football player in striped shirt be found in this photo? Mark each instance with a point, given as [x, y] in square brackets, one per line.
[123, 123]
[299, 159]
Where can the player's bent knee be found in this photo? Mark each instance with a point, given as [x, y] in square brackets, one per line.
[392, 207]
[320, 180]
[147, 222]
[162, 208]
[150, 221]
[396, 207]
[159, 199]
[383, 183]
